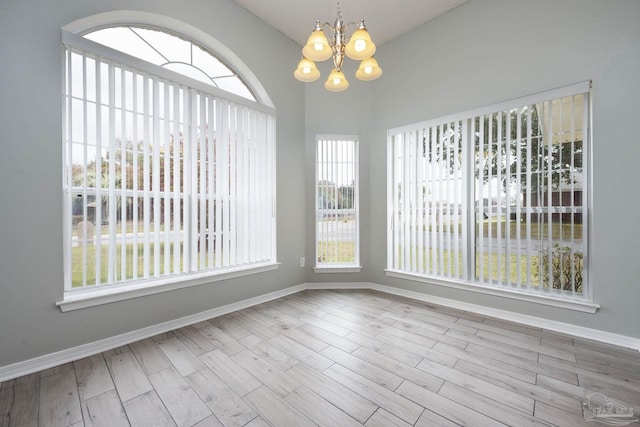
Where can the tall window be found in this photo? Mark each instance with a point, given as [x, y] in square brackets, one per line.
[337, 216]
[164, 178]
[496, 197]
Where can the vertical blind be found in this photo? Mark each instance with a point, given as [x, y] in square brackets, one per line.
[337, 213]
[495, 197]
[160, 178]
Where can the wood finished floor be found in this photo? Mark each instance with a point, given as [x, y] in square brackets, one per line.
[332, 358]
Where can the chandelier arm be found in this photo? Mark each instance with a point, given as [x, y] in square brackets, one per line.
[331, 29]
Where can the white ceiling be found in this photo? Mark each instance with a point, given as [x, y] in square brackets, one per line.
[385, 19]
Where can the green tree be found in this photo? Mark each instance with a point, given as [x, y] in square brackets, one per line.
[562, 160]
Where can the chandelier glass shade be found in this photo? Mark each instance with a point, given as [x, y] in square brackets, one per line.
[317, 47]
[368, 70]
[336, 81]
[307, 71]
[358, 47]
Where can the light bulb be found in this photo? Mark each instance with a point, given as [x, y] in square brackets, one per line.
[368, 69]
[318, 46]
[360, 45]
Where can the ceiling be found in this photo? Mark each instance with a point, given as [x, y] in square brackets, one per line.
[385, 19]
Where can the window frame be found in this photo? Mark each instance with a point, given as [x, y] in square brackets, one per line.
[81, 298]
[466, 281]
[353, 168]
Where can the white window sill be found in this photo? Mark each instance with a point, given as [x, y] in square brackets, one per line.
[549, 298]
[83, 298]
[336, 269]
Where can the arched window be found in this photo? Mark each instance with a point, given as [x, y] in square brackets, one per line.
[174, 53]
[169, 166]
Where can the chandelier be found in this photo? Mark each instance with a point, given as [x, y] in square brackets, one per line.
[358, 47]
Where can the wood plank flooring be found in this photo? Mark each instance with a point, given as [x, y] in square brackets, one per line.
[332, 358]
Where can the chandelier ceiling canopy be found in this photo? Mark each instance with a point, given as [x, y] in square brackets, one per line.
[358, 46]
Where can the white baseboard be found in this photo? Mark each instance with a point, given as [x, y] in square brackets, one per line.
[523, 319]
[339, 285]
[68, 355]
[85, 350]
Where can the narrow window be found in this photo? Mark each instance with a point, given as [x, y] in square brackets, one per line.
[337, 213]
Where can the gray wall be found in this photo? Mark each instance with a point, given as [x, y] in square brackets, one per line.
[488, 51]
[31, 275]
[480, 53]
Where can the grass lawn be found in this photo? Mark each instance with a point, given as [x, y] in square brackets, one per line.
[558, 231]
[538, 231]
[496, 268]
[330, 252]
[78, 255]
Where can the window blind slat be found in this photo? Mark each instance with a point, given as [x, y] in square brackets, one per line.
[225, 183]
[480, 201]
[549, 185]
[85, 223]
[572, 127]
[123, 174]
[240, 185]
[445, 199]
[201, 172]
[211, 180]
[156, 141]
[219, 180]
[191, 183]
[420, 200]
[586, 185]
[177, 231]
[165, 163]
[454, 210]
[442, 167]
[111, 272]
[468, 196]
[233, 146]
[406, 204]
[413, 193]
[435, 202]
[391, 208]
[148, 100]
[517, 146]
[135, 175]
